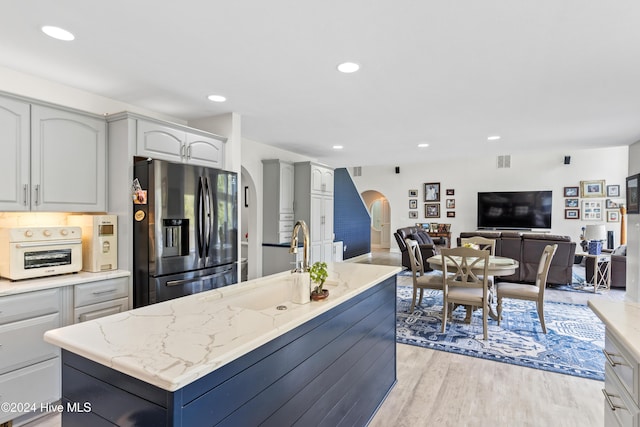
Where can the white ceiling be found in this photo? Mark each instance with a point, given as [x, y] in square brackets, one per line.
[542, 74]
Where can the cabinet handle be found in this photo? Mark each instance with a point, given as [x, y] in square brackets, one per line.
[188, 151]
[609, 357]
[182, 147]
[37, 194]
[108, 291]
[24, 190]
[608, 397]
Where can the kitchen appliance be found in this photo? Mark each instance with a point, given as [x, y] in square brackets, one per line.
[99, 241]
[185, 226]
[29, 252]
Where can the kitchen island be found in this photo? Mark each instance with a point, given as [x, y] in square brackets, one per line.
[238, 355]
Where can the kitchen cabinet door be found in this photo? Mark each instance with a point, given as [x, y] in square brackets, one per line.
[68, 161]
[160, 142]
[14, 162]
[204, 151]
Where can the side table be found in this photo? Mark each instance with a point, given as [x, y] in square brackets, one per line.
[601, 270]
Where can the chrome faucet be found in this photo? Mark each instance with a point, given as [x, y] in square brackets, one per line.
[305, 243]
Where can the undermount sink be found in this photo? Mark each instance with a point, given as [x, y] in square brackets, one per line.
[268, 297]
[271, 296]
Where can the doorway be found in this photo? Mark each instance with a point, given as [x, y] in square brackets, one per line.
[380, 212]
[249, 256]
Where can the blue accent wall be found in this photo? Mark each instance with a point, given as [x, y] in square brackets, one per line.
[352, 223]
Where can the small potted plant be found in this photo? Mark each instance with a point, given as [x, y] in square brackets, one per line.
[318, 274]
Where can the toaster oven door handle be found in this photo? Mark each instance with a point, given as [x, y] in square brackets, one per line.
[51, 243]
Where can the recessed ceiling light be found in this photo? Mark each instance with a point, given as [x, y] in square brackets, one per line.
[348, 67]
[493, 138]
[58, 33]
[216, 98]
[338, 147]
[423, 145]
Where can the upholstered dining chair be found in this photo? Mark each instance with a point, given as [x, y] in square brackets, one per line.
[420, 281]
[527, 291]
[482, 242]
[465, 270]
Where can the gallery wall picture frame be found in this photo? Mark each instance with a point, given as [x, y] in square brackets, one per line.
[633, 195]
[432, 192]
[592, 210]
[613, 216]
[594, 188]
[613, 190]
[433, 227]
[572, 214]
[572, 203]
[432, 210]
[451, 192]
[612, 204]
[413, 203]
[451, 203]
[413, 214]
[451, 214]
[571, 191]
[413, 193]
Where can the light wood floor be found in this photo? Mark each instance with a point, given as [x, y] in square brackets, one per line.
[436, 388]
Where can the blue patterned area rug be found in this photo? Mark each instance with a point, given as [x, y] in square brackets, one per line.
[572, 345]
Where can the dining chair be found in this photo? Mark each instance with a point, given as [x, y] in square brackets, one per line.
[482, 242]
[420, 281]
[527, 291]
[465, 270]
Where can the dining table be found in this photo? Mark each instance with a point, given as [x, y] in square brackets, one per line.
[498, 266]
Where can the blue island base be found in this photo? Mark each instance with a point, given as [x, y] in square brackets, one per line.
[335, 369]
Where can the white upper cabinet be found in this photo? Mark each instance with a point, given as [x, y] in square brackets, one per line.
[321, 179]
[14, 162]
[56, 159]
[165, 142]
[68, 161]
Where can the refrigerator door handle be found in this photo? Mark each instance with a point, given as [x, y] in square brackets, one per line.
[199, 218]
[209, 225]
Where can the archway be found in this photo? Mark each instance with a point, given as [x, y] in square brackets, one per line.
[380, 213]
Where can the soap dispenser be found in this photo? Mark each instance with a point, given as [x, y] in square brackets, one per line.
[300, 286]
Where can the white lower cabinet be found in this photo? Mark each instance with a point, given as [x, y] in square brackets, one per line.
[621, 381]
[29, 367]
[99, 299]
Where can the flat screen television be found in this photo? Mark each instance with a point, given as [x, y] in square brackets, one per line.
[514, 209]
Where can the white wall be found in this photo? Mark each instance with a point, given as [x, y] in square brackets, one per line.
[529, 171]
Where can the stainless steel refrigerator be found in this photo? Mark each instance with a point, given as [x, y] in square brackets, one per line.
[185, 230]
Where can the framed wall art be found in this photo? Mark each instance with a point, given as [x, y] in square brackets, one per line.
[451, 203]
[451, 192]
[413, 214]
[613, 216]
[570, 191]
[592, 188]
[451, 214]
[612, 204]
[413, 203]
[432, 210]
[592, 210]
[613, 191]
[413, 193]
[432, 192]
[571, 203]
[572, 214]
[632, 194]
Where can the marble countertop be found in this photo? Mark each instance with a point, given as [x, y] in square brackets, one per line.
[622, 319]
[7, 287]
[173, 343]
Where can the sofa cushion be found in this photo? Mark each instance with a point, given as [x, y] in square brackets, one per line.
[544, 236]
[422, 238]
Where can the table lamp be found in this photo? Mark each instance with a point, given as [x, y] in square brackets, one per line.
[595, 234]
